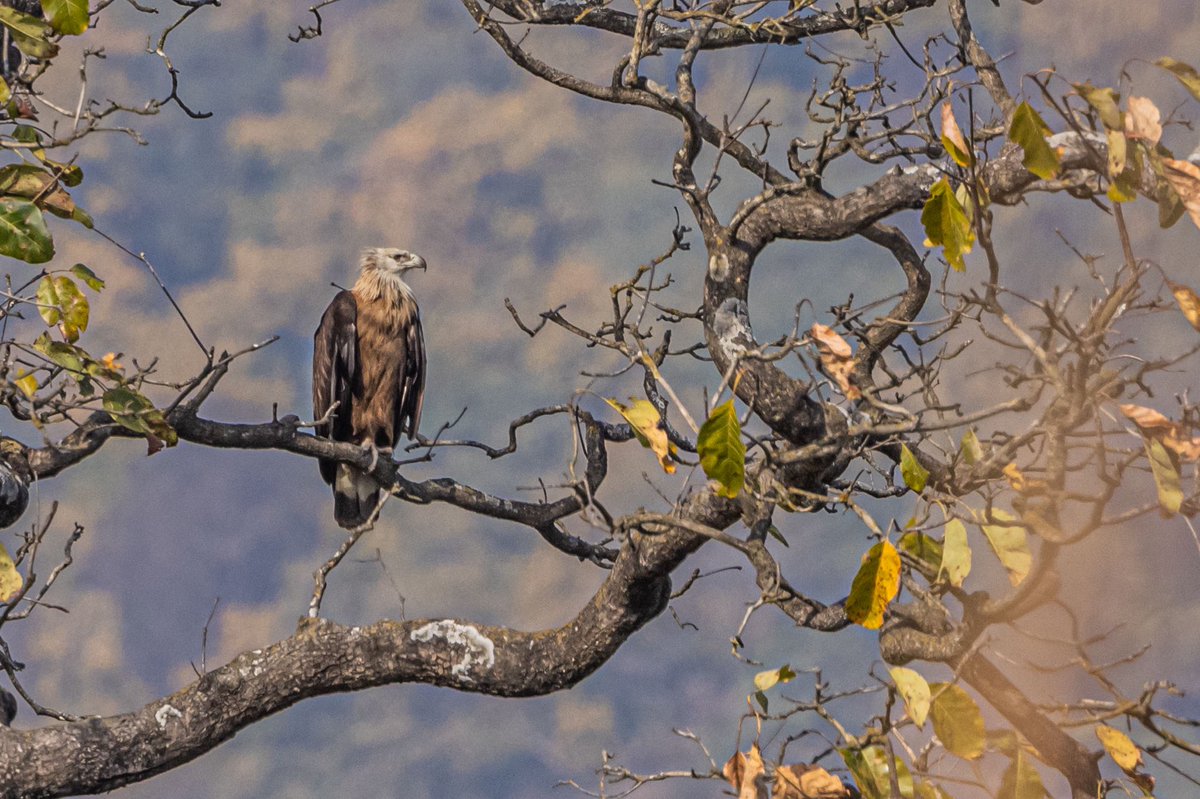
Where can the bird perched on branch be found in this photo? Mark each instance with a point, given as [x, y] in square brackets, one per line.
[369, 359]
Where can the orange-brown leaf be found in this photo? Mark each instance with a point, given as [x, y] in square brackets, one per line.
[1153, 424]
[1189, 303]
[746, 773]
[808, 782]
[837, 359]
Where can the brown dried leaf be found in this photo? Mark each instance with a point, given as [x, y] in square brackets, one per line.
[953, 139]
[1184, 177]
[808, 782]
[746, 773]
[1142, 121]
[837, 359]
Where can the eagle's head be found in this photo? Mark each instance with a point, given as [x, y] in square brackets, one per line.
[391, 260]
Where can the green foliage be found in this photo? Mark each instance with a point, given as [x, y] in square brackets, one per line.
[1029, 131]
[62, 303]
[914, 691]
[1185, 73]
[926, 550]
[722, 453]
[947, 224]
[68, 17]
[1165, 468]
[135, 412]
[1009, 542]
[23, 233]
[89, 277]
[915, 475]
[29, 34]
[956, 554]
[971, 449]
[871, 772]
[957, 721]
[1021, 780]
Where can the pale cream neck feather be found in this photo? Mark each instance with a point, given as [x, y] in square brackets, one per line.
[376, 284]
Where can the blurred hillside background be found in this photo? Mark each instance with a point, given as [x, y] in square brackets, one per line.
[402, 126]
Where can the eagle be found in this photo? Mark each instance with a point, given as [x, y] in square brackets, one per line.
[369, 359]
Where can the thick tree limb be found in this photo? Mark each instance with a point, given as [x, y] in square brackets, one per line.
[99, 754]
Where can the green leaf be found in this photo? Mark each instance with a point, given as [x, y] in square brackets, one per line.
[10, 579]
[1009, 543]
[1165, 468]
[773, 531]
[67, 356]
[956, 554]
[135, 412]
[957, 721]
[925, 549]
[875, 586]
[761, 698]
[722, 453]
[946, 224]
[1186, 74]
[769, 678]
[1105, 101]
[47, 297]
[1030, 131]
[75, 309]
[1021, 780]
[914, 691]
[915, 475]
[89, 277]
[927, 790]
[971, 449]
[68, 17]
[29, 33]
[870, 770]
[23, 233]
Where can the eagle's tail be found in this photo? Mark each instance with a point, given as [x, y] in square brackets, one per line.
[355, 495]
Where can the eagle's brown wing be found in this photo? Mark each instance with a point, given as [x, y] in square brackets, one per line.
[412, 379]
[335, 363]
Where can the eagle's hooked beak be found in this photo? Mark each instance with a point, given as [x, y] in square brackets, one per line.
[415, 262]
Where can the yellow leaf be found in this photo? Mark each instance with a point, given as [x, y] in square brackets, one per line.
[915, 475]
[1186, 74]
[1015, 478]
[1104, 101]
[1122, 750]
[1008, 541]
[914, 691]
[1184, 177]
[953, 139]
[647, 426]
[957, 721]
[1142, 121]
[837, 359]
[956, 554]
[875, 586]
[1166, 476]
[10, 579]
[28, 385]
[1189, 303]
